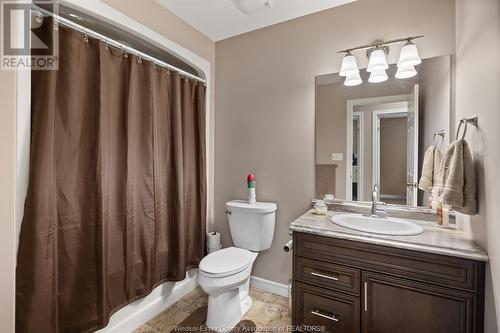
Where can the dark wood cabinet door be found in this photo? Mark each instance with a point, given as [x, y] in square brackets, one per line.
[323, 310]
[391, 304]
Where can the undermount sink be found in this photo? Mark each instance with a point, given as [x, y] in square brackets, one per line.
[377, 225]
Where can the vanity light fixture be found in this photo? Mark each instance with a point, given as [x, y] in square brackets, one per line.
[377, 63]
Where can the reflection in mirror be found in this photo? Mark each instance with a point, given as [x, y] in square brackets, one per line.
[377, 133]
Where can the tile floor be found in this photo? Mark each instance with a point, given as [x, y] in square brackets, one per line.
[269, 312]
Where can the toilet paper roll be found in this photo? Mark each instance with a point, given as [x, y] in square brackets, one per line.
[213, 239]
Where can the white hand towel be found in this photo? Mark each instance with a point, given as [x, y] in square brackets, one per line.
[430, 168]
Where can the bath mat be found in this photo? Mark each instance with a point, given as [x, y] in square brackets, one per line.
[195, 322]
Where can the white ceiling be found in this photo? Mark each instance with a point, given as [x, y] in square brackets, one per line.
[220, 19]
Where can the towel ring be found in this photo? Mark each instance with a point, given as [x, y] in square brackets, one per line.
[462, 121]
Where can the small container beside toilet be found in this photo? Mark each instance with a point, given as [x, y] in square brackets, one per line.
[225, 274]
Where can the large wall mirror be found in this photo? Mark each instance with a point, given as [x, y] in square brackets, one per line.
[377, 133]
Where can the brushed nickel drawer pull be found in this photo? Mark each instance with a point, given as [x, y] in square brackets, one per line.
[316, 312]
[329, 277]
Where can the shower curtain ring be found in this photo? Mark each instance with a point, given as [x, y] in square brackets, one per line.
[85, 38]
[139, 60]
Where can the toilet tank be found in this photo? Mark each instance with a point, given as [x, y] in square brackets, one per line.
[251, 225]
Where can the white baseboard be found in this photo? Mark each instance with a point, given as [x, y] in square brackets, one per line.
[270, 286]
[137, 313]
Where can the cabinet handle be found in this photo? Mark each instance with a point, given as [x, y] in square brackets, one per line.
[366, 296]
[329, 277]
[318, 313]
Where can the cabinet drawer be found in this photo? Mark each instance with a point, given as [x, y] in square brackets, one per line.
[335, 312]
[332, 276]
[426, 267]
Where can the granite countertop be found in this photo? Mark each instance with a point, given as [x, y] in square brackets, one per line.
[434, 239]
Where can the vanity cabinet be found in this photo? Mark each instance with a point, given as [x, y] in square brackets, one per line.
[348, 286]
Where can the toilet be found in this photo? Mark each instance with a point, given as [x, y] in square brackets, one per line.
[225, 274]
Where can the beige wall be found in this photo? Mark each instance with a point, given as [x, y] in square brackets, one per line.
[156, 17]
[478, 92]
[265, 101]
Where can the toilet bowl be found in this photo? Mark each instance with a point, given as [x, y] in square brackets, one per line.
[225, 274]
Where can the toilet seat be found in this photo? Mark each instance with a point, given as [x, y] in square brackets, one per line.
[226, 262]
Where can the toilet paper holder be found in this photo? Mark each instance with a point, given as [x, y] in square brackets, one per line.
[288, 246]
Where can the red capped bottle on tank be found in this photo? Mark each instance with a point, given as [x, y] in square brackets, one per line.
[251, 189]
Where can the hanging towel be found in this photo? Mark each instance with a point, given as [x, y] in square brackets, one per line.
[430, 168]
[456, 185]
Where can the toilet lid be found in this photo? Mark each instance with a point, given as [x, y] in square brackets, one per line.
[226, 261]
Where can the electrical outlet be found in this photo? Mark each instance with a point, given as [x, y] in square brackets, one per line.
[337, 156]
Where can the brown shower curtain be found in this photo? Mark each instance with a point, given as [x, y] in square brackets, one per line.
[117, 191]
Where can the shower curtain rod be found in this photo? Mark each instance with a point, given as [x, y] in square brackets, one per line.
[109, 41]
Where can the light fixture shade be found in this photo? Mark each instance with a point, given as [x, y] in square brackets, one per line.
[349, 65]
[405, 72]
[377, 61]
[353, 80]
[378, 76]
[409, 55]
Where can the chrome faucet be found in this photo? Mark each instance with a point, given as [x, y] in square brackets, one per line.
[375, 202]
